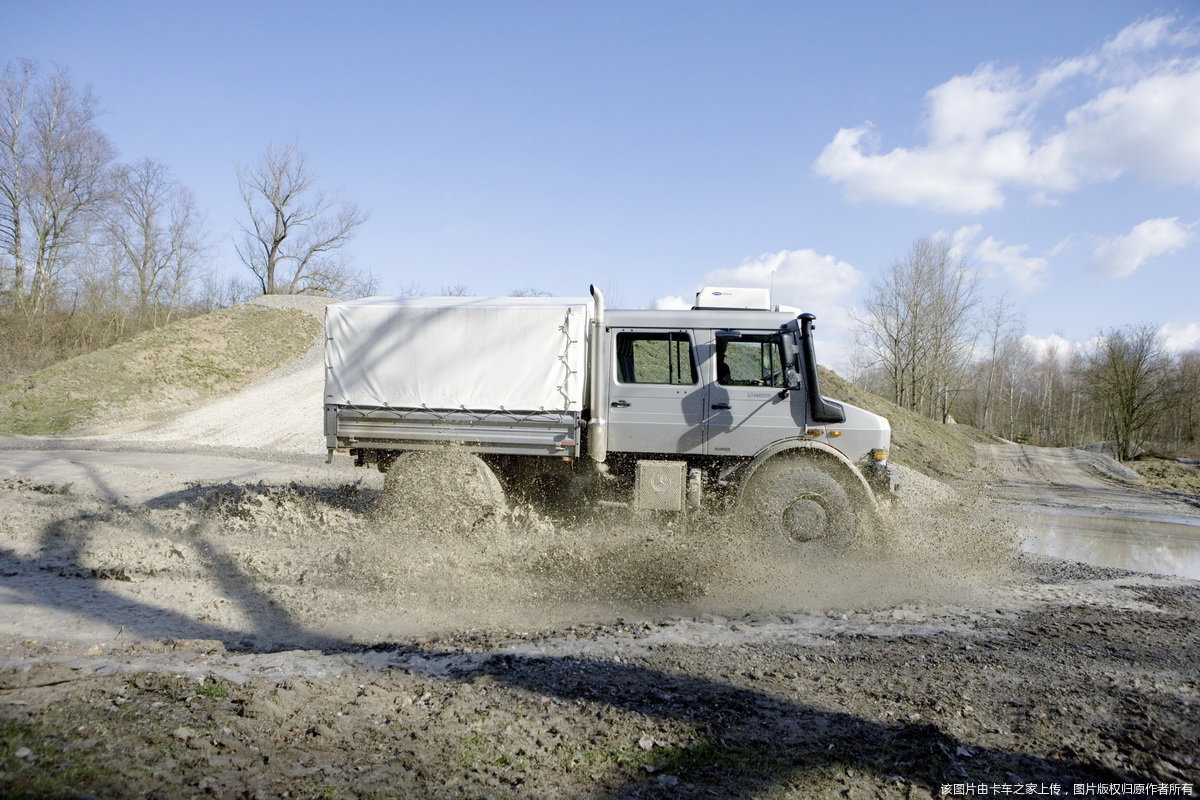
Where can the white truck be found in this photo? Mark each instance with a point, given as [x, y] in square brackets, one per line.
[563, 400]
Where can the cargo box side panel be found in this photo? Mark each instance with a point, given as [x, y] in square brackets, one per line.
[505, 354]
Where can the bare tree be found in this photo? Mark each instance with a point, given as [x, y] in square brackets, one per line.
[15, 88]
[1184, 423]
[154, 228]
[918, 325]
[68, 185]
[294, 237]
[1126, 376]
[53, 181]
[1001, 325]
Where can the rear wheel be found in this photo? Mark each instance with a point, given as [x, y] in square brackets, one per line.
[441, 491]
[799, 505]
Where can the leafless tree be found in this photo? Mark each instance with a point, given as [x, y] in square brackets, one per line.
[529, 292]
[1001, 324]
[154, 228]
[15, 88]
[455, 290]
[1184, 406]
[294, 236]
[918, 325]
[1126, 376]
[53, 182]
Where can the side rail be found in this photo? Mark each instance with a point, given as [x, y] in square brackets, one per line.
[500, 431]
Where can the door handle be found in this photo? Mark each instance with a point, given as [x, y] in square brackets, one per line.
[721, 406]
[620, 404]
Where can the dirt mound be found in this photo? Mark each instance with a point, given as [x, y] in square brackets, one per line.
[157, 373]
[1169, 474]
[945, 451]
[312, 305]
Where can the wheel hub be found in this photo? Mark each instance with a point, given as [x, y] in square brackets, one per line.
[805, 520]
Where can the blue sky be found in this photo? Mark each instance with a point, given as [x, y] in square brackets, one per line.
[654, 147]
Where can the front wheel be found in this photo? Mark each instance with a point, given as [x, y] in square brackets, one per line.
[799, 505]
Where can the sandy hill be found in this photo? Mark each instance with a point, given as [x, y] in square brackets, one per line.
[189, 362]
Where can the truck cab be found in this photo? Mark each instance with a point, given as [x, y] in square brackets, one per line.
[727, 386]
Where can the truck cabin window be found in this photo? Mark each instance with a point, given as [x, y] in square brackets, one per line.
[655, 358]
[750, 360]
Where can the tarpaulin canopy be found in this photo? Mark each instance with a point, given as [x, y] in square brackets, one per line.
[478, 353]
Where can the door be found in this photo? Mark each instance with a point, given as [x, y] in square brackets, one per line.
[749, 406]
[656, 396]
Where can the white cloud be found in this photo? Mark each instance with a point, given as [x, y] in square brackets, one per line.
[1062, 246]
[960, 240]
[1178, 337]
[986, 134]
[1123, 255]
[671, 303]
[1026, 272]
[804, 279]
[1053, 345]
[1181, 337]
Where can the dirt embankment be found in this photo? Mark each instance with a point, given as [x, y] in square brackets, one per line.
[151, 377]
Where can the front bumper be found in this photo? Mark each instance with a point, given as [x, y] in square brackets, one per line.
[882, 478]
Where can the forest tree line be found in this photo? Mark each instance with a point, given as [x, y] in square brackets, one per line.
[930, 342]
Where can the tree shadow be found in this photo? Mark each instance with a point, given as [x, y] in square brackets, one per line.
[63, 544]
[748, 740]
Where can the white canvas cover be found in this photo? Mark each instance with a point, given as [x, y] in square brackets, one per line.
[478, 353]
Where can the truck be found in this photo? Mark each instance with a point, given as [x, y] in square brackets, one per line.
[713, 410]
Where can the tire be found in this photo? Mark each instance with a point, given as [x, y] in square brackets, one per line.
[440, 491]
[798, 505]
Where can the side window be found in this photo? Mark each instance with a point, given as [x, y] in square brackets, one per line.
[655, 358]
[749, 360]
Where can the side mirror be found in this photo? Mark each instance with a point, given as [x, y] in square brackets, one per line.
[791, 376]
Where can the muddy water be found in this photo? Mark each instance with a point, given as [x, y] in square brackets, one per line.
[1163, 545]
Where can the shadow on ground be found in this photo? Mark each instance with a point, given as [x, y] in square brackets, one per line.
[751, 740]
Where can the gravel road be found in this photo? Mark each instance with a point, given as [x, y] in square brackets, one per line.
[186, 621]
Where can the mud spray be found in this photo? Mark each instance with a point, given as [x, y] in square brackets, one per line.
[439, 550]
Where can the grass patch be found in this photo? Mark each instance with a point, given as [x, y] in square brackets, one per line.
[1163, 473]
[709, 762]
[213, 688]
[182, 363]
[49, 771]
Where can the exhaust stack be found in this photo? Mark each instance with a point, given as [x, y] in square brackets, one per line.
[598, 393]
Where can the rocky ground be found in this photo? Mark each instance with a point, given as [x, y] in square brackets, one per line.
[173, 626]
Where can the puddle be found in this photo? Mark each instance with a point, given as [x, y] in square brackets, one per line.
[1160, 545]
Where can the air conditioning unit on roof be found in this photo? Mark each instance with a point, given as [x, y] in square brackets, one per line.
[715, 297]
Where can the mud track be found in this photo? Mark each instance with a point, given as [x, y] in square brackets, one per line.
[182, 622]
